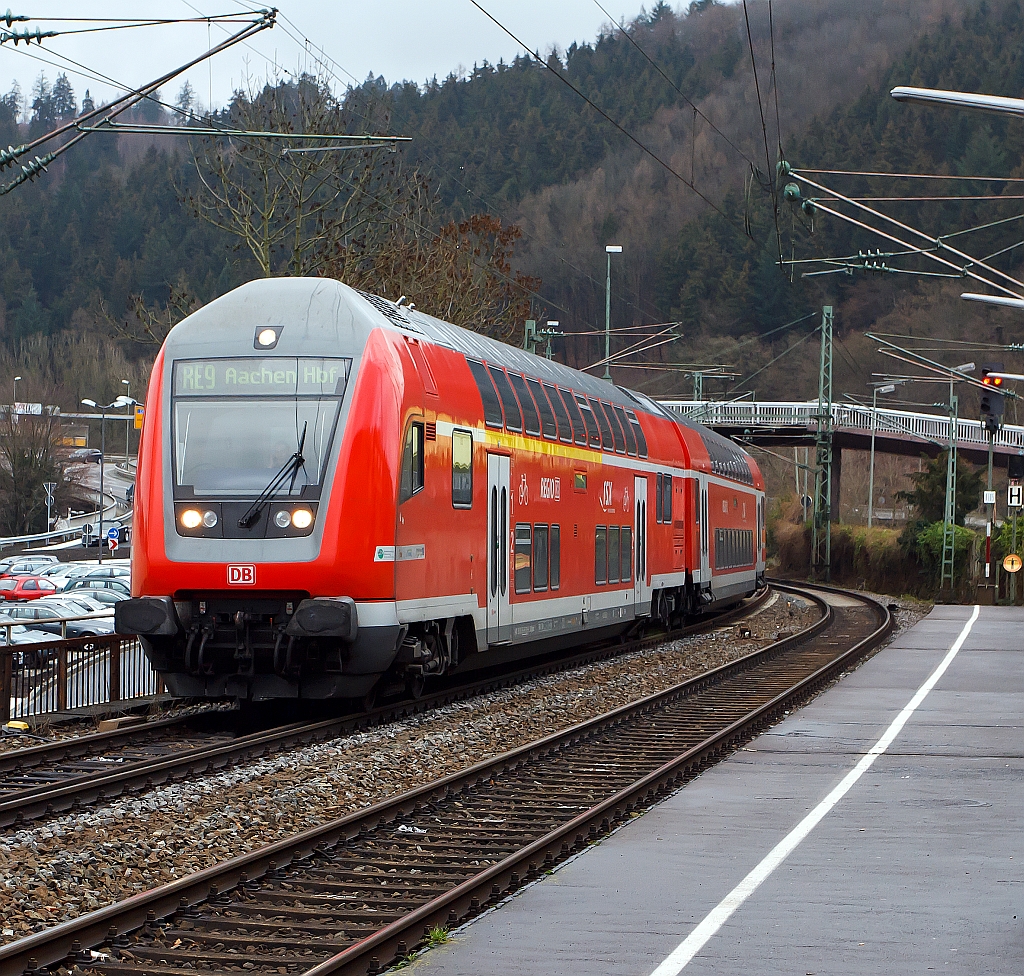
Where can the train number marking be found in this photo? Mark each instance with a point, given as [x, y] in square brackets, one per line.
[551, 488]
[244, 575]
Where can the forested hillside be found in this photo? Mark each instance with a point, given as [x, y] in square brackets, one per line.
[111, 221]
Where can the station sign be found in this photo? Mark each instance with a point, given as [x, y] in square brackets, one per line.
[990, 497]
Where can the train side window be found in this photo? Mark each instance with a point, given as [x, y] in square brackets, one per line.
[613, 554]
[555, 547]
[659, 500]
[564, 425]
[602, 424]
[601, 554]
[523, 555]
[462, 469]
[641, 441]
[489, 396]
[412, 462]
[530, 415]
[613, 422]
[666, 507]
[626, 554]
[590, 421]
[513, 415]
[547, 418]
[579, 430]
[540, 557]
[627, 429]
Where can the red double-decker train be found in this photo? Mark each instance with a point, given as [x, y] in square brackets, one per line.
[335, 490]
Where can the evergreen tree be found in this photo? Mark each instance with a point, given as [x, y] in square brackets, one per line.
[88, 105]
[42, 101]
[62, 99]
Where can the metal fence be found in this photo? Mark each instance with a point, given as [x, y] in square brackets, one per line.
[40, 679]
[902, 423]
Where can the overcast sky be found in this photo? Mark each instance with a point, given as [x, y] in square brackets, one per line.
[399, 39]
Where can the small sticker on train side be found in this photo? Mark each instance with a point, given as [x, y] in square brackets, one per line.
[405, 553]
[244, 575]
[384, 554]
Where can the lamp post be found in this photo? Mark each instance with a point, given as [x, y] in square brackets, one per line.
[16, 378]
[610, 249]
[121, 401]
[127, 423]
[886, 388]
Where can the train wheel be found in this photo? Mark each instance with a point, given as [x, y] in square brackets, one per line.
[415, 685]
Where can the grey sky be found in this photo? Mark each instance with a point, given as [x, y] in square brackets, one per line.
[399, 39]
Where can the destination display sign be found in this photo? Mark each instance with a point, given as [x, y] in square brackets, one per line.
[260, 376]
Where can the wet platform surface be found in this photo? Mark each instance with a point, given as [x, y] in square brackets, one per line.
[917, 868]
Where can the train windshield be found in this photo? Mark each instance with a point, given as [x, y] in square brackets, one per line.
[238, 421]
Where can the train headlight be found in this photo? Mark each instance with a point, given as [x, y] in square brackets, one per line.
[302, 518]
[209, 519]
[191, 519]
[283, 519]
[266, 337]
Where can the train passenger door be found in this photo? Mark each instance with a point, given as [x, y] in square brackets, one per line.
[641, 587]
[499, 615]
[705, 554]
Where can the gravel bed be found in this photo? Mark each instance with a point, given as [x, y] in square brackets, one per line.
[72, 864]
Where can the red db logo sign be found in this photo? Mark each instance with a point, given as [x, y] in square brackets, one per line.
[242, 575]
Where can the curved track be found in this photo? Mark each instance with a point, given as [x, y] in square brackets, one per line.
[356, 894]
[43, 780]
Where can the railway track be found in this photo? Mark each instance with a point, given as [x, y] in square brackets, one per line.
[359, 893]
[44, 780]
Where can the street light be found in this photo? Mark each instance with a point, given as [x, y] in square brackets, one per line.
[121, 401]
[127, 423]
[610, 249]
[16, 378]
[877, 388]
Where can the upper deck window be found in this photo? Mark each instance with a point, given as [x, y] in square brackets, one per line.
[489, 396]
[513, 416]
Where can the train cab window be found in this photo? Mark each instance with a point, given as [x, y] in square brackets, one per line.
[666, 505]
[602, 424]
[523, 557]
[540, 558]
[601, 554]
[641, 441]
[659, 500]
[462, 469]
[564, 426]
[627, 429]
[489, 396]
[579, 430]
[555, 557]
[530, 415]
[547, 418]
[613, 554]
[589, 421]
[513, 416]
[626, 554]
[412, 462]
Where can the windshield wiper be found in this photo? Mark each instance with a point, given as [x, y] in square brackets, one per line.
[289, 468]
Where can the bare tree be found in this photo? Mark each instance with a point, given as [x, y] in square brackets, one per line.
[292, 209]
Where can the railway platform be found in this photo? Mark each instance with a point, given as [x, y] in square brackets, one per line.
[880, 829]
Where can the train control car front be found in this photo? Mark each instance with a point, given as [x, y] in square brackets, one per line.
[266, 474]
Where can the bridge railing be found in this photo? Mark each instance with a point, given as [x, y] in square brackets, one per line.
[803, 414]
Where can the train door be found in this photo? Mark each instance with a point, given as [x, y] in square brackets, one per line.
[499, 616]
[705, 554]
[641, 586]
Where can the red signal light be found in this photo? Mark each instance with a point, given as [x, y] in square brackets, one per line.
[987, 380]
[997, 380]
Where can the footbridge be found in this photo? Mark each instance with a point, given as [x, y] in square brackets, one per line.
[793, 423]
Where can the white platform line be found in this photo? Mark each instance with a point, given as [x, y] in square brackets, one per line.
[699, 937]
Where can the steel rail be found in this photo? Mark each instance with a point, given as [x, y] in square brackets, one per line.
[79, 789]
[379, 826]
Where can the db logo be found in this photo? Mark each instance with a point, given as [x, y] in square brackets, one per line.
[242, 575]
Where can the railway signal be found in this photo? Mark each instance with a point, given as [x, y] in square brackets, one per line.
[992, 400]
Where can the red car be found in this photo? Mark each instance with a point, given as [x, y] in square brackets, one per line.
[26, 587]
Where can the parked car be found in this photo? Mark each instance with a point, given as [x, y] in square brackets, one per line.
[78, 602]
[63, 573]
[26, 587]
[43, 609]
[23, 565]
[108, 571]
[86, 454]
[119, 585]
[21, 634]
[104, 595]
